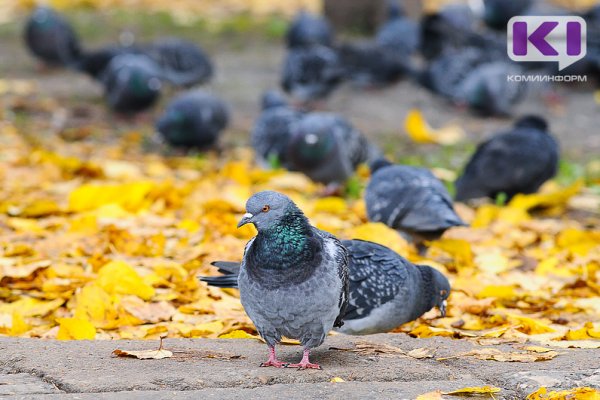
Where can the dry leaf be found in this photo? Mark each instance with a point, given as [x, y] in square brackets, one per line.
[474, 390]
[157, 354]
[580, 393]
[422, 352]
[336, 379]
[498, 355]
[369, 348]
[419, 130]
[435, 395]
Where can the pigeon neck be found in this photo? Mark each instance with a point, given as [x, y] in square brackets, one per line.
[426, 300]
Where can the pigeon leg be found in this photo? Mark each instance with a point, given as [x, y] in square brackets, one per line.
[273, 361]
[304, 363]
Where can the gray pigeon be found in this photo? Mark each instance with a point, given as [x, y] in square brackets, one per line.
[272, 129]
[307, 30]
[294, 277]
[399, 34]
[311, 74]
[132, 83]
[193, 119]
[183, 63]
[519, 160]
[386, 290]
[327, 148]
[50, 38]
[409, 199]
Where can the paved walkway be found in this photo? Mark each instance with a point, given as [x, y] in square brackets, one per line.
[223, 369]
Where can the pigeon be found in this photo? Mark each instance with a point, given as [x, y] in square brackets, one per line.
[132, 83]
[183, 63]
[409, 199]
[327, 148]
[272, 129]
[194, 119]
[50, 38]
[519, 160]
[294, 277]
[497, 13]
[472, 78]
[385, 289]
[399, 34]
[307, 30]
[372, 65]
[311, 74]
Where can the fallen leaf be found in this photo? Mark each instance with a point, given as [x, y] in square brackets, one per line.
[369, 348]
[498, 355]
[435, 395]
[336, 379]
[158, 354]
[75, 329]
[238, 334]
[421, 132]
[474, 390]
[422, 352]
[579, 393]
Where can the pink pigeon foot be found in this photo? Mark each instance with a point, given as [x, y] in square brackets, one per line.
[304, 363]
[273, 361]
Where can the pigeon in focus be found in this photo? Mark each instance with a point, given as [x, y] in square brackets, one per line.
[399, 34]
[294, 277]
[519, 160]
[386, 290]
[272, 130]
[132, 83]
[193, 119]
[308, 30]
[311, 74]
[183, 63]
[497, 13]
[327, 148]
[371, 65]
[409, 199]
[51, 39]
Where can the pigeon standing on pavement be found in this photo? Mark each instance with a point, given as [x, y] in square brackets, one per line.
[519, 160]
[294, 278]
[132, 83]
[399, 34]
[183, 63]
[386, 290]
[271, 133]
[193, 119]
[311, 74]
[327, 148]
[50, 38]
[372, 65]
[308, 30]
[409, 199]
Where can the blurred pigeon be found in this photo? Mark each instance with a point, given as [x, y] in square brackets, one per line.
[271, 133]
[294, 277]
[94, 63]
[50, 38]
[497, 13]
[409, 199]
[312, 73]
[386, 290]
[371, 65]
[183, 62]
[131, 83]
[519, 160]
[307, 30]
[471, 78]
[399, 33]
[327, 148]
[193, 119]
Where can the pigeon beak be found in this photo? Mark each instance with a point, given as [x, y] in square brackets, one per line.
[246, 219]
[443, 308]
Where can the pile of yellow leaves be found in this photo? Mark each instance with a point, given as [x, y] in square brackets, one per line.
[103, 241]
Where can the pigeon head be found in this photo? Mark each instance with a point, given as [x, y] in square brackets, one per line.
[394, 10]
[532, 121]
[272, 99]
[379, 163]
[313, 140]
[441, 290]
[267, 209]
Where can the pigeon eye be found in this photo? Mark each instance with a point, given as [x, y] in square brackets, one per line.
[443, 292]
[266, 208]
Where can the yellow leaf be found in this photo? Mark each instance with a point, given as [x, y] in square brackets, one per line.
[425, 331]
[75, 329]
[579, 393]
[493, 262]
[498, 291]
[421, 132]
[331, 205]
[19, 325]
[336, 379]
[555, 198]
[118, 277]
[530, 326]
[474, 390]
[238, 334]
[130, 196]
[28, 307]
[458, 249]
[381, 234]
[435, 395]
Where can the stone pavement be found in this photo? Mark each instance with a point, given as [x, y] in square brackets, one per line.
[226, 369]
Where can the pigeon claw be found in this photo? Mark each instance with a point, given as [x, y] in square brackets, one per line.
[304, 365]
[274, 363]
